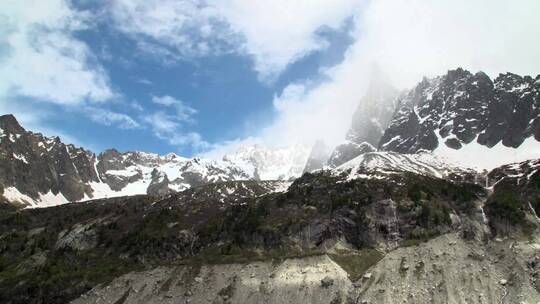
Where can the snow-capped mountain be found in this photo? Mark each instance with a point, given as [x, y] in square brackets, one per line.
[369, 121]
[140, 173]
[469, 118]
[38, 171]
[270, 164]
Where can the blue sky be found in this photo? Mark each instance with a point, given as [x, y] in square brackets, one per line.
[230, 98]
[204, 77]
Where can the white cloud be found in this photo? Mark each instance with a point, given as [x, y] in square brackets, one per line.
[408, 40]
[163, 125]
[183, 111]
[191, 139]
[275, 33]
[170, 126]
[40, 57]
[278, 33]
[111, 118]
[144, 81]
[42, 60]
[172, 29]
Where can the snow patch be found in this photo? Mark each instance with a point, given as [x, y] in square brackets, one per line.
[128, 172]
[475, 155]
[20, 157]
[48, 199]
[13, 194]
[378, 164]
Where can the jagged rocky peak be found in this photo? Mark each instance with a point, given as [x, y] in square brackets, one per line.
[462, 110]
[159, 184]
[370, 120]
[138, 172]
[10, 125]
[374, 110]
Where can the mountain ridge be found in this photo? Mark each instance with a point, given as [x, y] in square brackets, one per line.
[41, 171]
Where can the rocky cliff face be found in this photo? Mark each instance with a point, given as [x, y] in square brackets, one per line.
[459, 109]
[516, 198]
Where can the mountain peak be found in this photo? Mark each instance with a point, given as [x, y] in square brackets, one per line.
[9, 123]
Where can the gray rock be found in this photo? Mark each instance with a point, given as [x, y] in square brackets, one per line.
[326, 282]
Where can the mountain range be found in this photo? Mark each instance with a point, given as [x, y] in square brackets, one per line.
[460, 116]
[39, 171]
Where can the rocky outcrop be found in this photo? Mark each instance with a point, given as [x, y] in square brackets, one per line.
[515, 201]
[159, 185]
[462, 108]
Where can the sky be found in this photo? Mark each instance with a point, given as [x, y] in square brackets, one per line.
[205, 77]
